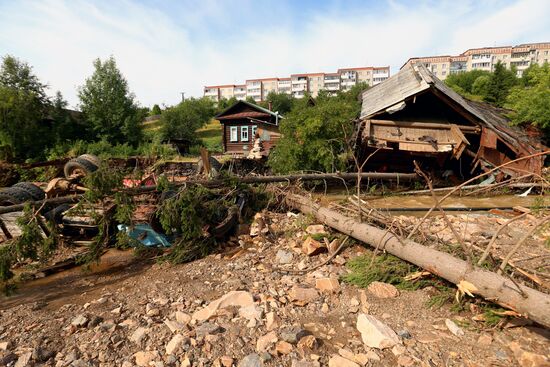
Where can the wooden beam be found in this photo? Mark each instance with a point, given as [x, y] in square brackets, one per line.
[429, 125]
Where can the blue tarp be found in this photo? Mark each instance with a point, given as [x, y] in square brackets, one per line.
[146, 235]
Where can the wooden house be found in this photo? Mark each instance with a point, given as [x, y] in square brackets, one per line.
[244, 124]
[415, 116]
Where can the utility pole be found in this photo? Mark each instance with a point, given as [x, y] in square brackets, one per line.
[182, 96]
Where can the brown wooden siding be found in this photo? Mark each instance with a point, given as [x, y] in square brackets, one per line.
[240, 147]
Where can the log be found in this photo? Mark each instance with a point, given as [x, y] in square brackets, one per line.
[489, 285]
[55, 201]
[293, 178]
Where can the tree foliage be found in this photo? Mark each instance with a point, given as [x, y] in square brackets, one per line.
[155, 111]
[314, 136]
[280, 102]
[24, 129]
[499, 84]
[183, 120]
[530, 100]
[109, 106]
[463, 83]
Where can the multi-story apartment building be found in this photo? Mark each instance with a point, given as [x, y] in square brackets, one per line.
[300, 84]
[486, 58]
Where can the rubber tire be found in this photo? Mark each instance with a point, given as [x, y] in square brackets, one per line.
[14, 196]
[80, 164]
[214, 164]
[91, 158]
[36, 192]
[56, 214]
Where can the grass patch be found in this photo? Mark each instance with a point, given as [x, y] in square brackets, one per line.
[211, 136]
[385, 268]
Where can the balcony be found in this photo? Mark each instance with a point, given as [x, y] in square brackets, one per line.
[332, 86]
[348, 82]
[211, 92]
[299, 81]
[381, 74]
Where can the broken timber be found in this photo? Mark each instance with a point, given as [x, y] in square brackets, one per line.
[491, 286]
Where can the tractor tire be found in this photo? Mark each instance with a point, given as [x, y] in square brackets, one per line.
[91, 158]
[215, 165]
[36, 192]
[80, 166]
[14, 196]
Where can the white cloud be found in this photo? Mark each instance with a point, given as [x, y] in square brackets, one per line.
[181, 47]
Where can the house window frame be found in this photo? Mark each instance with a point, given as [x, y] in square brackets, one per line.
[253, 130]
[244, 133]
[233, 130]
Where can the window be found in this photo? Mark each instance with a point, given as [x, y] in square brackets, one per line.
[244, 133]
[254, 128]
[233, 136]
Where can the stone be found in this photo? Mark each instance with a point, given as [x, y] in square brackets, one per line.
[266, 341]
[293, 335]
[283, 347]
[183, 317]
[174, 325]
[226, 361]
[311, 247]
[405, 361]
[207, 329]
[375, 333]
[338, 361]
[362, 359]
[143, 358]
[138, 335]
[316, 229]
[186, 362]
[302, 296]
[23, 360]
[485, 340]
[251, 360]
[527, 359]
[308, 342]
[116, 311]
[296, 363]
[251, 312]
[333, 246]
[283, 257]
[327, 284]
[233, 298]
[346, 353]
[453, 328]
[175, 344]
[271, 321]
[398, 349]
[383, 290]
[325, 308]
[4, 346]
[404, 334]
[80, 321]
[372, 355]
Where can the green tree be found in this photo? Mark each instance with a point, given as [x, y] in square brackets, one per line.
[251, 100]
[280, 102]
[499, 84]
[68, 125]
[463, 83]
[183, 120]
[314, 136]
[25, 130]
[479, 88]
[530, 100]
[155, 111]
[109, 106]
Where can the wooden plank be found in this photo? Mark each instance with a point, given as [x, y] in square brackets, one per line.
[460, 141]
[416, 124]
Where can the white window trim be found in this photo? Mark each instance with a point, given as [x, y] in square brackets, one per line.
[233, 134]
[254, 130]
[244, 131]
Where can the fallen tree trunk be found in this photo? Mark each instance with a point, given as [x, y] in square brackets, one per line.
[491, 286]
[293, 178]
[54, 201]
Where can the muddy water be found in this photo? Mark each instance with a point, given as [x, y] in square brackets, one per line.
[426, 201]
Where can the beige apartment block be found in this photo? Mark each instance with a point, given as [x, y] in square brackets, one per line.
[298, 85]
[485, 58]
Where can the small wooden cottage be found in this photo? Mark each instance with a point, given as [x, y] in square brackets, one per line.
[245, 125]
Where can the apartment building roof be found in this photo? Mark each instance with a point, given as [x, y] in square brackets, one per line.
[284, 79]
[491, 50]
[306, 74]
[260, 79]
[440, 58]
[219, 86]
[536, 45]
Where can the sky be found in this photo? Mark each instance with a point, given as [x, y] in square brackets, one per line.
[164, 48]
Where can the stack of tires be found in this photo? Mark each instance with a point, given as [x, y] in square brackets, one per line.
[81, 166]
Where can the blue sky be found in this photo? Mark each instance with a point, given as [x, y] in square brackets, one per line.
[167, 47]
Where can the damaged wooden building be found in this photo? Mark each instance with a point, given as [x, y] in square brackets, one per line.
[415, 116]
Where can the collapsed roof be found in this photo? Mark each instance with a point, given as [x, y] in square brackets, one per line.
[415, 112]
